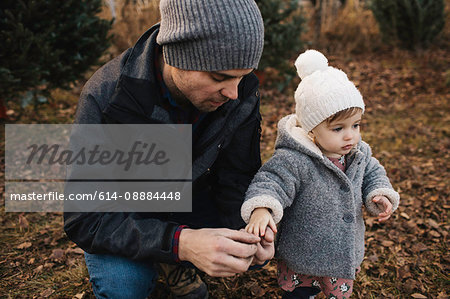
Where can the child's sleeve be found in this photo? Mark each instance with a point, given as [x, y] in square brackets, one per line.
[377, 183]
[274, 186]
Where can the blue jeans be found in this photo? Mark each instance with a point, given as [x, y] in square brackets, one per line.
[117, 277]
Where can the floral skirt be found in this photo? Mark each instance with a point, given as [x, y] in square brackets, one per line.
[332, 287]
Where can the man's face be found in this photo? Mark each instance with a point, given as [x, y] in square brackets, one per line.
[207, 91]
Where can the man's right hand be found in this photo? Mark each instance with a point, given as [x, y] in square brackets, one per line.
[219, 252]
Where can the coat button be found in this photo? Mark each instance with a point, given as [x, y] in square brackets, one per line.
[348, 218]
[343, 188]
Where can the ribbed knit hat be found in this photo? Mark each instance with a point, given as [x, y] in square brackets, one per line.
[323, 91]
[211, 35]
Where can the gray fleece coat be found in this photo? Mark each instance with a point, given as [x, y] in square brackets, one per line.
[322, 231]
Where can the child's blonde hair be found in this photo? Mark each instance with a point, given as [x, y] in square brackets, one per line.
[343, 114]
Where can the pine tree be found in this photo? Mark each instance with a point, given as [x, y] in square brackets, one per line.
[283, 25]
[413, 23]
[47, 44]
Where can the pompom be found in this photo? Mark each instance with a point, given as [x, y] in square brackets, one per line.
[309, 62]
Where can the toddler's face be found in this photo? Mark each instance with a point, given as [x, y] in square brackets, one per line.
[337, 138]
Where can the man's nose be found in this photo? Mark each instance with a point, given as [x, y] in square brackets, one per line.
[230, 90]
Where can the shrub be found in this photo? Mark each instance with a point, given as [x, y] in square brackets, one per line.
[413, 23]
[284, 24]
[48, 44]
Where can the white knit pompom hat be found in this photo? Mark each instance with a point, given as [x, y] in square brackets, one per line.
[323, 91]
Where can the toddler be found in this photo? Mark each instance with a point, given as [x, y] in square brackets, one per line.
[316, 182]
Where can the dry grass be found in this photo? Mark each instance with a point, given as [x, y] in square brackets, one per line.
[353, 31]
[132, 19]
[351, 28]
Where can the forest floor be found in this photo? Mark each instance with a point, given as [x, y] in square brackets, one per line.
[407, 123]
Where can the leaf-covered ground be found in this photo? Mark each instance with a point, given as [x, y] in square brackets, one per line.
[407, 123]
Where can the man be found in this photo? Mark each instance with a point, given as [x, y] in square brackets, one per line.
[195, 67]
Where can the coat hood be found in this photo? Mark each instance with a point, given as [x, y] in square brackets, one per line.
[291, 136]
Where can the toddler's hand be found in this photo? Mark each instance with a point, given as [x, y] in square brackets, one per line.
[384, 204]
[260, 219]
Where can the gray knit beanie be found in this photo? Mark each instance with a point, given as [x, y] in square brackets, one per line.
[211, 35]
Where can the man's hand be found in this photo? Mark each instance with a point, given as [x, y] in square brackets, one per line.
[219, 252]
[385, 205]
[266, 248]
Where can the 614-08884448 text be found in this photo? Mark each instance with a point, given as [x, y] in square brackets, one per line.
[163, 196]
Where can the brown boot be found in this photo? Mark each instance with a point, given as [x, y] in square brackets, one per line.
[184, 282]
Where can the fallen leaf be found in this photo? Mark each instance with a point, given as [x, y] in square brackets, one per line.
[383, 271]
[47, 292]
[418, 296]
[410, 225]
[433, 223]
[386, 243]
[404, 215]
[71, 262]
[257, 291]
[373, 258]
[79, 296]
[77, 250]
[434, 234]
[410, 285]
[23, 222]
[31, 261]
[442, 295]
[57, 254]
[370, 222]
[416, 170]
[419, 247]
[38, 269]
[24, 245]
[434, 198]
[404, 272]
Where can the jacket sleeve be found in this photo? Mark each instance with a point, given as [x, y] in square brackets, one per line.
[375, 183]
[274, 187]
[234, 169]
[133, 235]
[125, 234]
